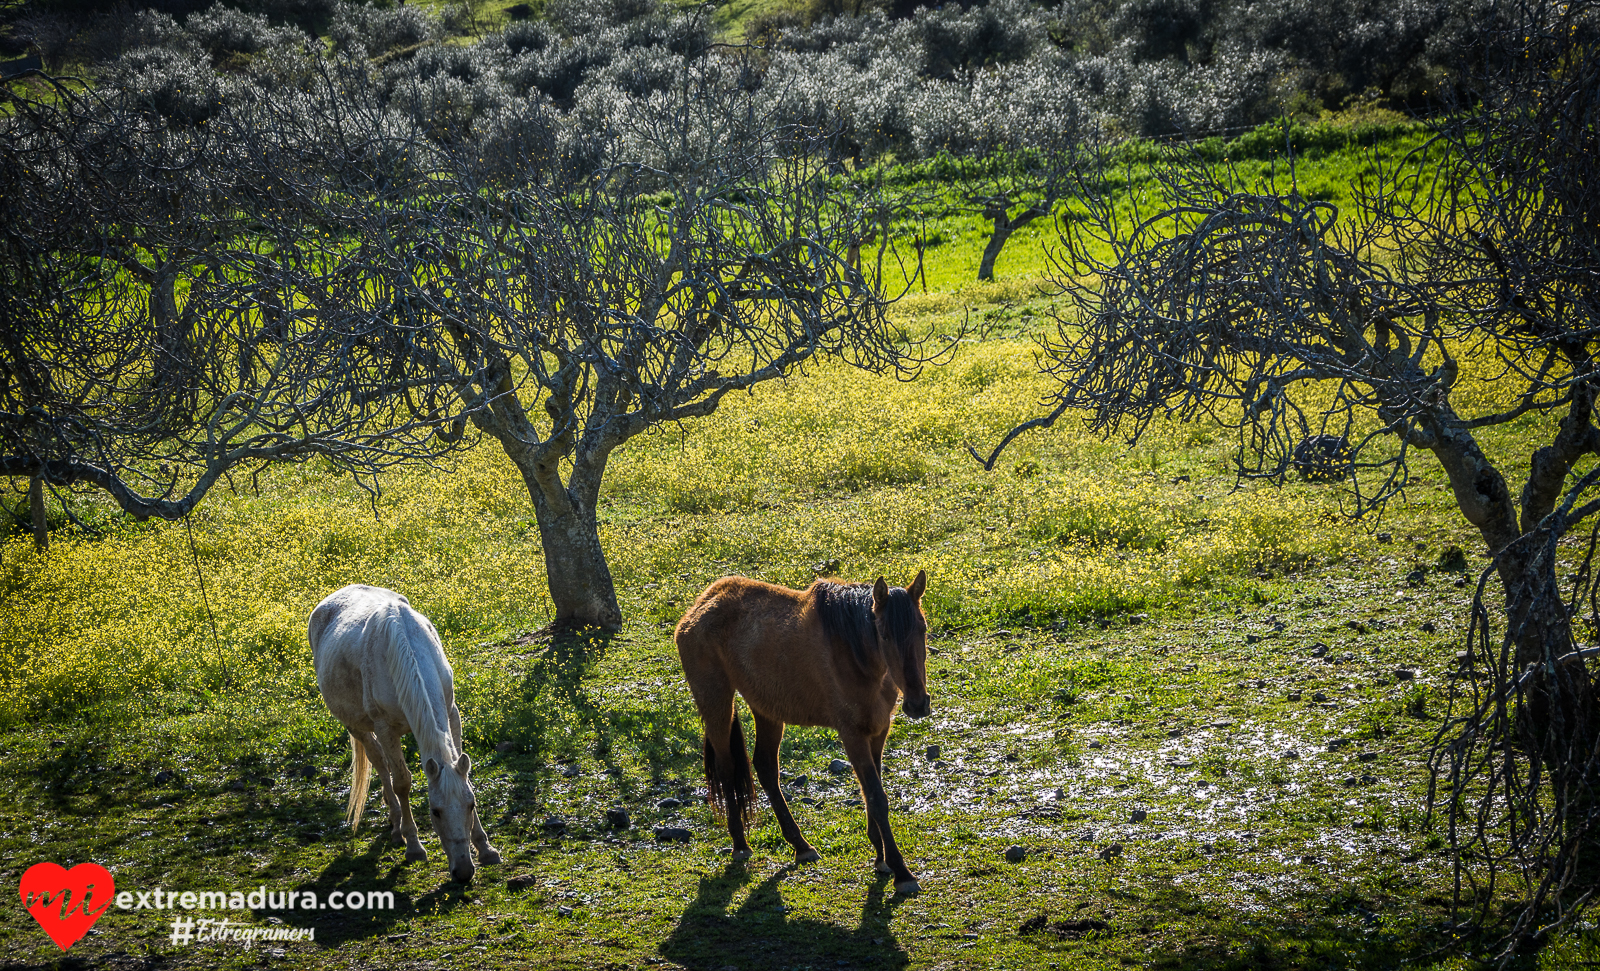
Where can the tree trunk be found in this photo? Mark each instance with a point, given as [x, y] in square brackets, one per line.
[997, 240]
[1535, 610]
[41, 529]
[1004, 226]
[1560, 704]
[575, 566]
[1559, 725]
[174, 356]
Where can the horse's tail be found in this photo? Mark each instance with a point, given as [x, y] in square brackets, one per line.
[740, 798]
[360, 778]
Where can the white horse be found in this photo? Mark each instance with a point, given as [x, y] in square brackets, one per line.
[383, 673]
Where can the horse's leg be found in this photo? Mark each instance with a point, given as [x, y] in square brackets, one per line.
[859, 747]
[487, 854]
[727, 771]
[379, 765]
[769, 737]
[873, 834]
[399, 782]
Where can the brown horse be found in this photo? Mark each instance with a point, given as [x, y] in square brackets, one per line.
[836, 655]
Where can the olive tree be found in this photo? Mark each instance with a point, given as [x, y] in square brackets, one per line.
[1241, 300]
[142, 351]
[632, 275]
[1004, 144]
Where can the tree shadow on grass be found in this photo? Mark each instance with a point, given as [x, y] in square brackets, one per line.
[553, 706]
[758, 933]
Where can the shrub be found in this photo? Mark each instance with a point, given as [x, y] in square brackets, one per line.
[526, 36]
[375, 30]
[953, 41]
[559, 69]
[577, 18]
[222, 31]
[641, 71]
[445, 106]
[176, 85]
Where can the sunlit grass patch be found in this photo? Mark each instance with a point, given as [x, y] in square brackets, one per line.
[124, 616]
[831, 472]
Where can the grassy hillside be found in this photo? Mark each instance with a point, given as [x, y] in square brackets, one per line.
[1127, 685]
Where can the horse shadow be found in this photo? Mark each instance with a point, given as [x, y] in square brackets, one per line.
[759, 933]
[378, 868]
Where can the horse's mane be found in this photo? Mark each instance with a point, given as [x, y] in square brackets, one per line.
[845, 610]
[407, 637]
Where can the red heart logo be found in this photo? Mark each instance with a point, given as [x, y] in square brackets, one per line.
[60, 899]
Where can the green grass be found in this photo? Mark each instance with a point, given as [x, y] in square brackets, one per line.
[1117, 631]
[734, 17]
[1331, 158]
[1244, 856]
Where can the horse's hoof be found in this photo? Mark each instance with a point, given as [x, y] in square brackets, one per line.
[395, 839]
[417, 855]
[489, 857]
[739, 856]
[907, 887]
[807, 856]
[882, 867]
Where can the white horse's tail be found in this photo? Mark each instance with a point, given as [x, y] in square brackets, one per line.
[360, 778]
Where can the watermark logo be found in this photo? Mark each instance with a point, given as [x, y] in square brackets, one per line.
[66, 903]
[187, 930]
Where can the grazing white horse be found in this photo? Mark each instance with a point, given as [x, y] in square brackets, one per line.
[383, 673]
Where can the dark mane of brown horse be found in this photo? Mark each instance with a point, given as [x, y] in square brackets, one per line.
[845, 610]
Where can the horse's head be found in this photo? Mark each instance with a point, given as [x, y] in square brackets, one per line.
[454, 807]
[903, 629]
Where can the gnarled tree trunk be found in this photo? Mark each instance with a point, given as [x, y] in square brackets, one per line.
[579, 578]
[1558, 721]
[1004, 226]
[580, 581]
[1561, 703]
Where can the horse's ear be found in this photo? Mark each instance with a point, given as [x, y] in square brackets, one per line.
[464, 765]
[431, 767]
[880, 594]
[918, 585]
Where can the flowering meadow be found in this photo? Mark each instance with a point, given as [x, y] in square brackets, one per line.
[833, 472]
[1180, 720]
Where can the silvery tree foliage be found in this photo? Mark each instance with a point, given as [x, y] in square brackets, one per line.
[1159, 67]
[221, 31]
[1139, 67]
[445, 90]
[376, 30]
[1002, 97]
[952, 41]
[867, 100]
